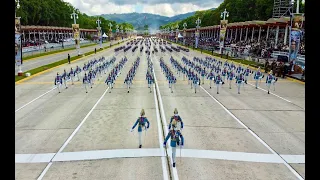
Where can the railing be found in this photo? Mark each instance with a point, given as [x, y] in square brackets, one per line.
[56, 47]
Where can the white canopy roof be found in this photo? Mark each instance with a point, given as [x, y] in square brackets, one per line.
[180, 36]
[104, 35]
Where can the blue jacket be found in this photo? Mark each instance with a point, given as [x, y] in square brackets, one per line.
[176, 136]
[141, 121]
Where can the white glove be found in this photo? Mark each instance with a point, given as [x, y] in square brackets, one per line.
[181, 146]
[131, 130]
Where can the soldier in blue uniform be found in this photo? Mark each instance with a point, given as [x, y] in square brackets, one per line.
[257, 76]
[65, 78]
[176, 119]
[239, 81]
[72, 75]
[109, 82]
[58, 81]
[142, 120]
[176, 139]
[247, 72]
[239, 70]
[150, 79]
[224, 74]
[203, 73]
[78, 71]
[271, 79]
[85, 81]
[128, 81]
[211, 77]
[218, 80]
[231, 76]
[196, 82]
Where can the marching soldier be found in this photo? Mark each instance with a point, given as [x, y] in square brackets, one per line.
[257, 76]
[176, 119]
[211, 77]
[176, 137]
[271, 79]
[239, 81]
[58, 81]
[72, 75]
[218, 81]
[231, 76]
[85, 81]
[247, 72]
[78, 71]
[142, 120]
[65, 78]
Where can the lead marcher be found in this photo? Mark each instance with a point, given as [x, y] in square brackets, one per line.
[175, 136]
[58, 81]
[271, 79]
[142, 125]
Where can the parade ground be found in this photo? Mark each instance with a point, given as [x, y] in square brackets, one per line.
[78, 135]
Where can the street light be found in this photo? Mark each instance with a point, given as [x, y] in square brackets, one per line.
[17, 29]
[224, 14]
[99, 31]
[198, 22]
[74, 16]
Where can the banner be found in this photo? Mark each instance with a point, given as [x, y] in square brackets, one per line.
[76, 34]
[223, 29]
[295, 36]
[18, 49]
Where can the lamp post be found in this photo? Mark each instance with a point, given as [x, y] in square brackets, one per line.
[18, 56]
[121, 32]
[198, 22]
[99, 32]
[224, 14]
[184, 33]
[110, 30]
[117, 30]
[75, 16]
[177, 33]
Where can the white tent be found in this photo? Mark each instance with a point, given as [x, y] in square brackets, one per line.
[179, 36]
[104, 35]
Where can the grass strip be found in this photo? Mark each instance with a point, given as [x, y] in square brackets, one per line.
[57, 51]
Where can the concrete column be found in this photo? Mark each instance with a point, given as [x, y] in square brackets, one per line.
[235, 37]
[29, 35]
[55, 35]
[285, 35]
[246, 33]
[39, 34]
[44, 36]
[231, 33]
[240, 34]
[227, 33]
[267, 34]
[252, 33]
[259, 34]
[277, 36]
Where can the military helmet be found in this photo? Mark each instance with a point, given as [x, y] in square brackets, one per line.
[142, 113]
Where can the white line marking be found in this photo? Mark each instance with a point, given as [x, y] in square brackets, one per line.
[174, 170]
[163, 159]
[75, 131]
[34, 158]
[157, 152]
[107, 154]
[35, 99]
[294, 159]
[255, 135]
[44, 171]
[271, 93]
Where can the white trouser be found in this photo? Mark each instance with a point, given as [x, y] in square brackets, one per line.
[71, 77]
[174, 149]
[65, 82]
[109, 83]
[140, 137]
[128, 85]
[268, 85]
[230, 83]
[195, 86]
[78, 76]
[246, 78]
[210, 83]
[257, 83]
[58, 86]
[85, 86]
[202, 79]
[239, 85]
[218, 86]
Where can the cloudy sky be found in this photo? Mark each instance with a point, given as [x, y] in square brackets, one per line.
[161, 7]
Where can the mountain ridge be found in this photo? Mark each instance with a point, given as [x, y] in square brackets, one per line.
[138, 20]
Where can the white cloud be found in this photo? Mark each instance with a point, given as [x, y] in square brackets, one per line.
[172, 9]
[97, 7]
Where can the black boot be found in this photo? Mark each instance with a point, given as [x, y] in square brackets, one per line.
[210, 87]
[140, 146]
[268, 92]
[174, 164]
[128, 91]
[217, 92]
